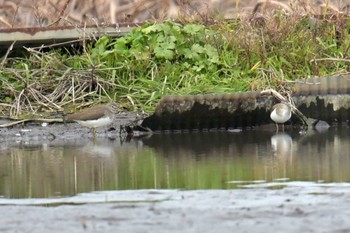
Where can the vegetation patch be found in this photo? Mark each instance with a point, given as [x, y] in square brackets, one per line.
[156, 59]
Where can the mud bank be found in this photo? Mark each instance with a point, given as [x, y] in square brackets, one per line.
[298, 207]
[46, 132]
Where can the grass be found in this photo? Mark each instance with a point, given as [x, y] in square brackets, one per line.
[157, 59]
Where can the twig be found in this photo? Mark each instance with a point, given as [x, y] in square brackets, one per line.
[61, 14]
[58, 44]
[18, 105]
[59, 120]
[37, 94]
[13, 123]
[6, 55]
[14, 16]
[3, 21]
[330, 59]
[78, 98]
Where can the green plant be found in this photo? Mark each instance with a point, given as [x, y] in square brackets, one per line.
[153, 60]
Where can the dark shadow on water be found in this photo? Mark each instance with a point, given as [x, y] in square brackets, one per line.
[208, 144]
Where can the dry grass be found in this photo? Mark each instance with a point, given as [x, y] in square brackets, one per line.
[29, 13]
[255, 53]
[47, 82]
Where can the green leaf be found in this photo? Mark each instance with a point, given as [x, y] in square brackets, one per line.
[193, 29]
[100, 47]
[160, 52]
[152, 28]
[196, 48]
[212, 53]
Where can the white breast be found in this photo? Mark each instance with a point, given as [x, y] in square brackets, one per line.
[96, 123]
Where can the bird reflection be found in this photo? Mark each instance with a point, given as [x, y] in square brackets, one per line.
[98, 150]
[282, 145]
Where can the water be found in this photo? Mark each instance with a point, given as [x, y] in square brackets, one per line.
[218, 160]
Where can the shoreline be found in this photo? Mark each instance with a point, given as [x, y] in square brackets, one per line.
[305, 206]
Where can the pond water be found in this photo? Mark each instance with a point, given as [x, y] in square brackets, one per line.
[219, 160]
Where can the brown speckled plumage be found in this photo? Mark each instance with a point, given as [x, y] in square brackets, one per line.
[90, 113]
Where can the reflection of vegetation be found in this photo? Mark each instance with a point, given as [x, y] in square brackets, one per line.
[171, 58]
[154, 171]
[62, 171]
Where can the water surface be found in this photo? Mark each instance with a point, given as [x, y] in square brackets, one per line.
[219, 160]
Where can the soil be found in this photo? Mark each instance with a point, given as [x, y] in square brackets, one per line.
[299, 207]
[47, 132]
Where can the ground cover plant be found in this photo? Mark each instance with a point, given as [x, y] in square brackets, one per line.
[156, 59]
